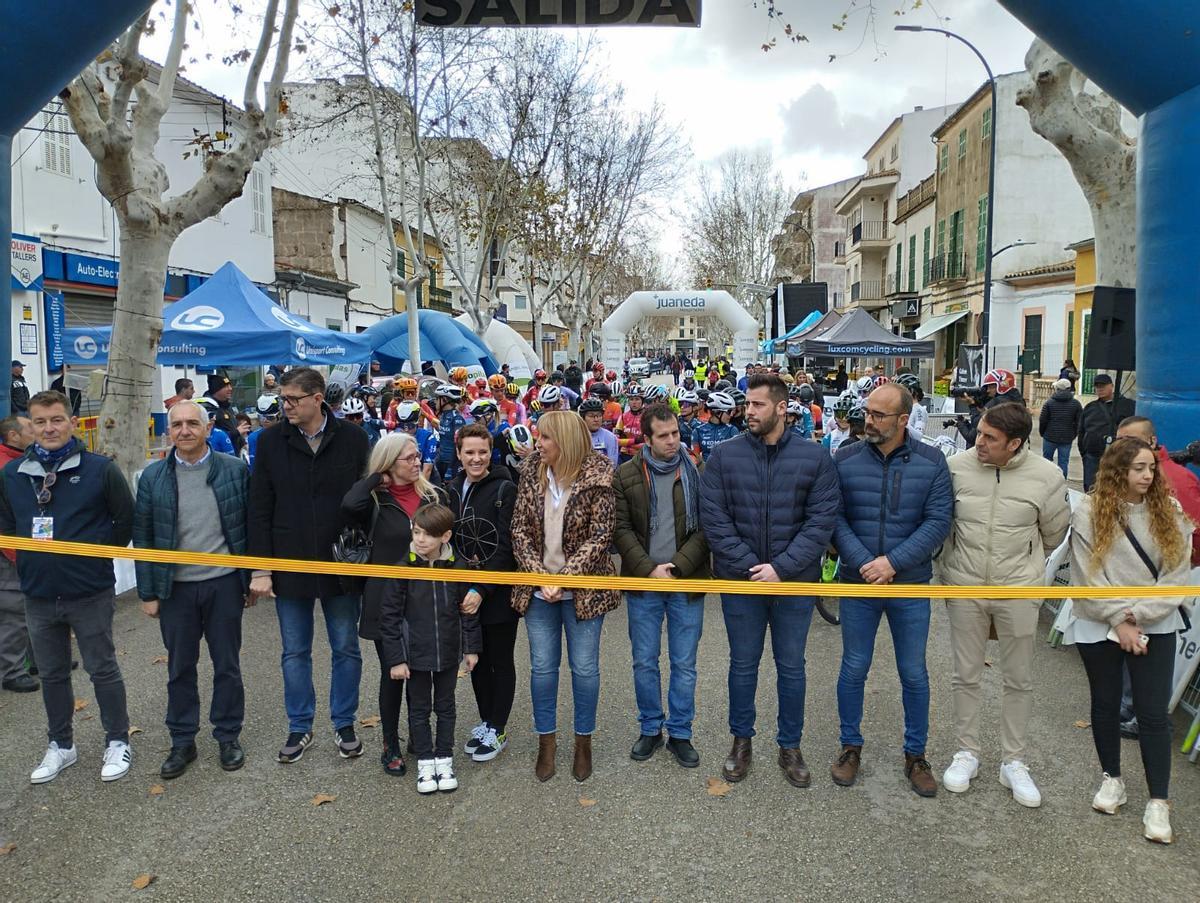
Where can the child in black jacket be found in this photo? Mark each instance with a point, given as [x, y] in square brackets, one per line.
[425, 635]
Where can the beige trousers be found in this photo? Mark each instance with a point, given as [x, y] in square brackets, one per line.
[1016, 622]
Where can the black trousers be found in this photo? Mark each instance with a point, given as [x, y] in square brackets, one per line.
[1151, 676]
[211, 609]
[438, 686]
[391, 695]
[494, 679]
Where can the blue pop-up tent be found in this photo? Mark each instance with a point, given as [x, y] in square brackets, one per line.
[229, 322]
[442, 338]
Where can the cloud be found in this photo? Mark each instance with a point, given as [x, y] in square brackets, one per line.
[814, 121]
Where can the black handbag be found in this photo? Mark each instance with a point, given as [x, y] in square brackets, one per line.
[354, 544]
[1153, 569]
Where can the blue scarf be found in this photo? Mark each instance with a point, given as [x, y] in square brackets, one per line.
[50, 460]
[688, 475]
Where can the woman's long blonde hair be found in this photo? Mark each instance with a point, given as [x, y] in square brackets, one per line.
[384, 455]
[1108, 510]
[574, 445]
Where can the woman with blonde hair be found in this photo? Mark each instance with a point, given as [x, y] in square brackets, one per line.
[563, 524]
[382, 505]
[1129, 531]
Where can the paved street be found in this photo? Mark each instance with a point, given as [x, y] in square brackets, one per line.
[652, 832]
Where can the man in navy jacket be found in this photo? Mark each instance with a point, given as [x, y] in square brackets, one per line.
[768, 503]
[897, 503]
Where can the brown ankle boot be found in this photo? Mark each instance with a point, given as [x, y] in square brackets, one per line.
[547, 747]
[920, 775]
[582, 769]
[845, 768]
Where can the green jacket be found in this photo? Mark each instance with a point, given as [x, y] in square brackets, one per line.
[155, 517]
[632, 529]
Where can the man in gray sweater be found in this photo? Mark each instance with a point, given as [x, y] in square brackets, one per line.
[195, 500]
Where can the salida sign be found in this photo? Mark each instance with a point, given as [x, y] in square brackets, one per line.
[546, 13]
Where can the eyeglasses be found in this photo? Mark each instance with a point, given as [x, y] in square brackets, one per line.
[409, 459]
[880, 415]
[43, 494]
[290, 401]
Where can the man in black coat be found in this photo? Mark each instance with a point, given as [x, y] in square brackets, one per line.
[303, 469]
[1058, 424]
[220, 390]
[1098, 426]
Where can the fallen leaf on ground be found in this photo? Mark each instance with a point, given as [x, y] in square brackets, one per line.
[322, 798]
[586, 802]
[159, 660]
[134, 730]
[369, 721]
[86, 717]
[141, 882]
[1082, 724]
[7, 848]
[717, 787]
[157, 789]
[986, 663]
[80, 704]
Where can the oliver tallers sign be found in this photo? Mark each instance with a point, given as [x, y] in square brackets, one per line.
[587, 13]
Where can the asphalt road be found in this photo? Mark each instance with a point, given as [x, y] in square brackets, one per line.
[633, 831]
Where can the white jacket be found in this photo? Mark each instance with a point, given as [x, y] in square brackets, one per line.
[1007, 520]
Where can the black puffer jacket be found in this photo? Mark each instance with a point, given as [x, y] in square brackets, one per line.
[483, 536]
[1058, 421]
[421, 622]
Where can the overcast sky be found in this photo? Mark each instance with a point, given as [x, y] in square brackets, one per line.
[818, 116]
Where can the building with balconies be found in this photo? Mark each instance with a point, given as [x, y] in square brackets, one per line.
[814, 225]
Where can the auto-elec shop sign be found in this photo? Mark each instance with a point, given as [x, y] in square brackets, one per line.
[545, 13]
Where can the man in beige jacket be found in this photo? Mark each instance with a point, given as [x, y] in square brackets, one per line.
[1010, 512]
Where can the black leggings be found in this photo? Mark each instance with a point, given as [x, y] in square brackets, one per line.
[1151, 676]
[494, 679]
[391, 694]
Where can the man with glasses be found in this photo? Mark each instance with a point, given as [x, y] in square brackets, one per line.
[897, 504]
[59, 490]
[302, 470]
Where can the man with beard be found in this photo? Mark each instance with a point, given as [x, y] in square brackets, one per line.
[897, 504]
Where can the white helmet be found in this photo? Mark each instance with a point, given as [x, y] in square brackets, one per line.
[519, 436]
[678, 392]
[795, 408]
[408, 412]
[720, 401]
[549, 396]
[267, 406]
[863, 385]
[352, 407]
[688, 397]
[449, 392]
[483, 406]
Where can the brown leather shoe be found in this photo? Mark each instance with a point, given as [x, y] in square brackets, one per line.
[547, 747]
[738, 762]
[920, 775]
[845, 768]
[582, 767]
[793, 766]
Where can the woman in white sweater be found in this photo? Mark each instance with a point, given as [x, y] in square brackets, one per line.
[1128, 531]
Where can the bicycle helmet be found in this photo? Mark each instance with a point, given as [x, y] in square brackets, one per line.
[447, 392]
[267, 406]
[793, 391]
[689, 374]
[599, 390]
[655, 393]
[539, 374]
[481, 383]
[334, 395]
[863, 385]
[687, 397]
[1003, 380]
[795, 409]
[597, 367]
[549, 396]
[910, 381]
[519, 436]
[805, 393]
[723, 385]
[721, 402]
[857, 415]
[610, 376]
[558, 377]
[880, 381]
[354, 407]
[591, 406]
[512, 390]
[616, 387]
[842, 406]
[633, 391]
[352, 546]
[703, 394]
[408, 412]
[459, 374]
[481, 406]
[739, 397]
[404, 384]
[497, 382]
[535, 407]
[678, 392]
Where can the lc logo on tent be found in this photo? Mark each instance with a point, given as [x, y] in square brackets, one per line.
[198, 319]
[86, 347]
[301, 348]
[287, 320]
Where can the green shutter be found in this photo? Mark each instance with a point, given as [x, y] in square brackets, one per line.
[944, 158]
[962, 143]
[400, 268]
[899, 263]
[912, 262]
[940, 244]
[925, 257]
[981, 235]
[986, 128]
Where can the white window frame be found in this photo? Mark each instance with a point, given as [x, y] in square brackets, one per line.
[56, 141]
[260, 218]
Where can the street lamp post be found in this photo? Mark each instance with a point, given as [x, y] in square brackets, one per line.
[985, 331]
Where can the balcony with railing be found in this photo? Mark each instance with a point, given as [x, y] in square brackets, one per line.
[948, 267]
[868, 233]
[839, 252]
[916, 198]
[866, 291]
[837, 299]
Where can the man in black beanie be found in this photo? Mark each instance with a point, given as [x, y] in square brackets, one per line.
[220, 390]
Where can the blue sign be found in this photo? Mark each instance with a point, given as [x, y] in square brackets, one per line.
[26, 263]
[56, 320]
[93, 270]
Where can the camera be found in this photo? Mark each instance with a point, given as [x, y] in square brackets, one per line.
[1190, 455]
[975, 394]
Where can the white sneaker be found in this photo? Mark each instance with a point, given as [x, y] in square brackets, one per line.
[426, 776]
[478, 732]
[117, 759]
[1157, 822]
[1111, 795]
[55, 760]
[1015, 776]
[963, 767]
[491, 746]
[446, 781]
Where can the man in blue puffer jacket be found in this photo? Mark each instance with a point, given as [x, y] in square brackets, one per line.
[897, 504]
[768, 504]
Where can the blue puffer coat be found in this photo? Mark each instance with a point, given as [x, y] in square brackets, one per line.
[900, 507]
[763, 504]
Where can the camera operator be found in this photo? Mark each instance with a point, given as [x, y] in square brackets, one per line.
[999, 387]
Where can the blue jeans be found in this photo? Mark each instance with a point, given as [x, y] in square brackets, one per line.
[746, 621]
[1062, 449]
[296, 632]
[908, 620]
[546, 622]
[685, 622]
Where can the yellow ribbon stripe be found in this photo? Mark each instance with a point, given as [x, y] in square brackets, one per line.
[643, 584]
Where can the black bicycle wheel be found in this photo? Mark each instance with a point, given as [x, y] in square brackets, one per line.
[829, 607]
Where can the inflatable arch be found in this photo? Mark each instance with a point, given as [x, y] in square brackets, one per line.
[679, 304]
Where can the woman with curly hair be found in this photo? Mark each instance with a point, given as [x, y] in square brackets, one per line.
[1129, 531]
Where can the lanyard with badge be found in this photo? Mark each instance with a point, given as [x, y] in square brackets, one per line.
[43, 524]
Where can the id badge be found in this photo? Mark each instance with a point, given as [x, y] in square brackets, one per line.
[43, 528]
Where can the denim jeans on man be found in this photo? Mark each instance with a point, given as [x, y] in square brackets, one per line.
[51, 623]
[746, 622]
[296, 632]
[908, 620]
[211, 609]
[1061, 449]
[546, 622]
[685, 622]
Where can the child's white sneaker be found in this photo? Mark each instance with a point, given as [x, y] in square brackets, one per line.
[427, 781]
[446, 781]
